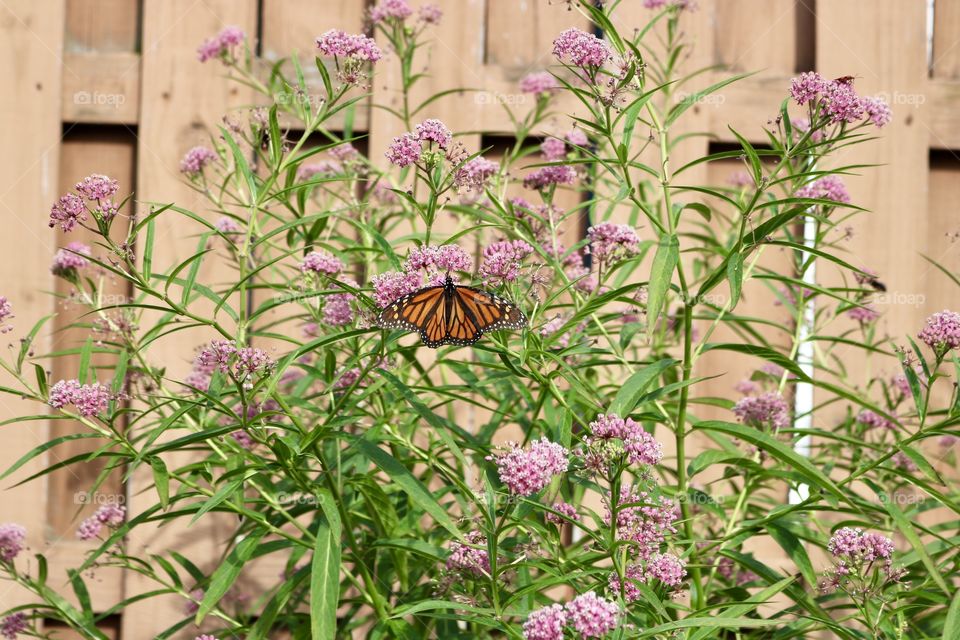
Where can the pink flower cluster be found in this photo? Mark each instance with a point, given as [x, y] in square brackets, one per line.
[644, 520]
[6, 312]
[680, 5]
[70, 208]
[539, 83]
[590, 616]
[527, 471]
[224, 356]
[581, 49]
[434, 131]
[396, 9]
[13, 625]
[12, 537]
[609, 241]
[864, 315]
[71, 259]
[404, 150]
[568, 510]
[434, 260]
[502, 261]
[338, 308]
[475, 174]
[470, 558]
[109, 515]
[873, 420]
[837, 100]
[766, 410]
[550, 176]
[640, 447]
[553, 149]
[222, 45]
[321, 263]
[858, 555]
[941, 332]
[358, 47]
[87, 399]
[196, 159]
[825, 188]
[392, 285]
[323, 168]
[97, 187]
[665, 567]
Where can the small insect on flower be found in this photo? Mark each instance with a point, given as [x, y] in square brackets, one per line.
[451, 314]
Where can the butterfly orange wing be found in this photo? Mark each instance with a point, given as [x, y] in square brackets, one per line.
[488, 311]
[411, 311]
[458, 319]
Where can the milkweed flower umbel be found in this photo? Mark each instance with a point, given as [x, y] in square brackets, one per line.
[71, 259]
[196, 159]
[527, 471]
[13, 625]
[550, 176]
[6, 312]
[766, 410]
[592, 616]
[470, 557]
[539, 83]
[338, 44]
[941, 332]
[321, 262]
[546, 623]
[88, 399]
[825, 188]
[389, 286]
[12, 537]
[580, 49]
[222, 45]
[434, 130]
[67, 212]
[404, 150]
[609, 241]
[396, 9]
[109, 515]
[97, 187]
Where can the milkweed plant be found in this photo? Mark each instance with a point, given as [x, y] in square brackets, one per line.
[576, 478]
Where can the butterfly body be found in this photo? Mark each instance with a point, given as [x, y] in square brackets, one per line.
[451, 314]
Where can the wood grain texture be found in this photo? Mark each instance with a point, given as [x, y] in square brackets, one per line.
[31, 50]
[183, 102]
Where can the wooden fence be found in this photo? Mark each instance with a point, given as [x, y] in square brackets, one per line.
[113, 86]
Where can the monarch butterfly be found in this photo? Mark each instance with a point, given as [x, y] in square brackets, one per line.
[451, 314]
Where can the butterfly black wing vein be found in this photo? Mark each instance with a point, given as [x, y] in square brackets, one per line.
[450, 314]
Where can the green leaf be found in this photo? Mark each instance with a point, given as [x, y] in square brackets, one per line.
[629, 394]
[700, 208]
[325, 572]
[161, 479]
[906, 528]
[664, 263]
[409, 483]
[794, 548]
[735, 277]
[226, 574]
[783, 453]
[764, 353]
[85, 353]
[951, 628]
[752, 156]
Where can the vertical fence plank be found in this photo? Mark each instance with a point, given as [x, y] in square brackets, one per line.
[945, 63]
[756, 35]
[183, 102]
[31, 48]
[85, 151]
